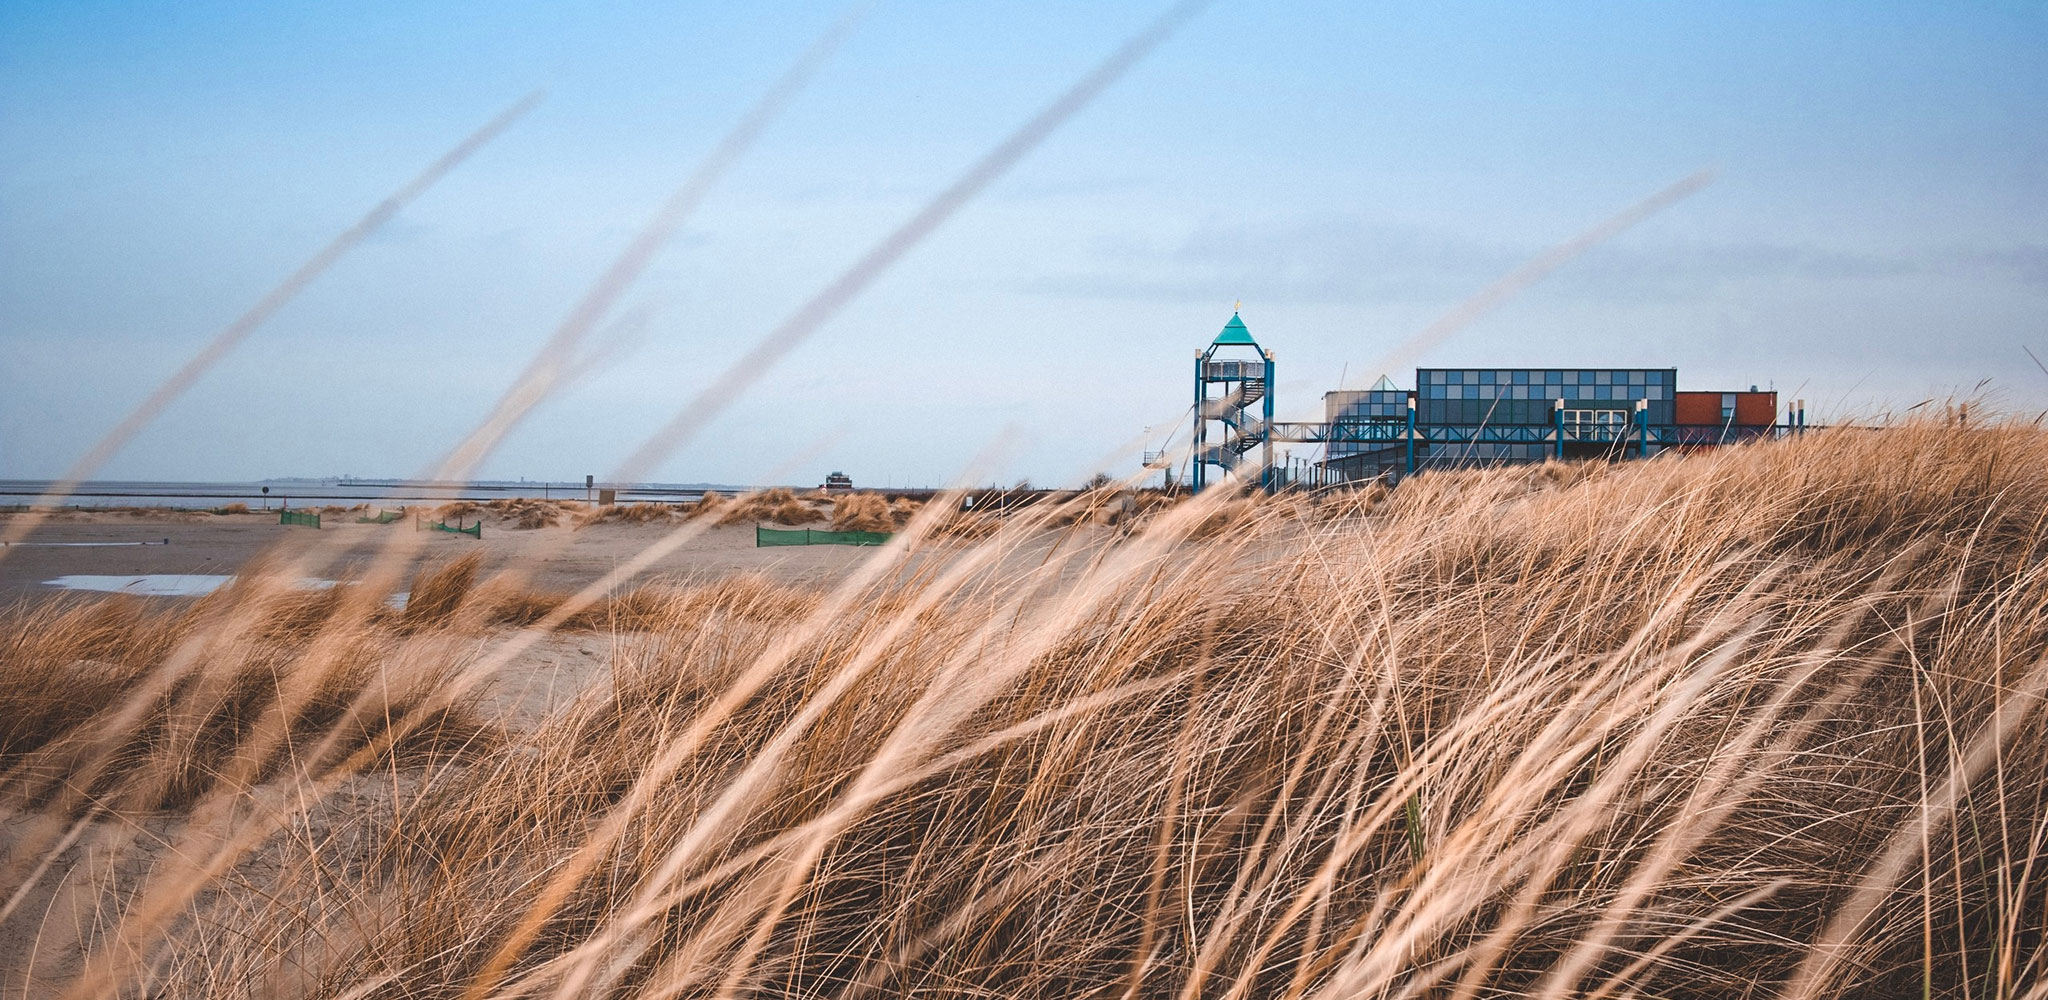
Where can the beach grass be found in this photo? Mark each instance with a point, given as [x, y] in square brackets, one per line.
[1763, 721]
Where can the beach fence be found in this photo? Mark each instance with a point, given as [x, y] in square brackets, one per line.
[296, 517]
[475, 531]
[766, 537]
[383, 517]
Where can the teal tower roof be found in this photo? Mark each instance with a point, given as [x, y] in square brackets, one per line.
[1234, 333]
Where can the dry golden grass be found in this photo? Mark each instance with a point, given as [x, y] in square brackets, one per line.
[862, 512]
[537, 518]
[779, 505]
[90, 717]
[528, 513]
[632, 513]
[958, 526]
[710, 501]
[1763, 722]
[902, 509]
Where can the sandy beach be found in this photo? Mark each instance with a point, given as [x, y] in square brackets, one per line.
[562, 557]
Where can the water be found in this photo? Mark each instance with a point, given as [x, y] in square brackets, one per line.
[306, 492]
[159, 584]
[178, 584]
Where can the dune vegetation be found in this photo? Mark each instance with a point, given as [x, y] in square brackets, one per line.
[1764, 721]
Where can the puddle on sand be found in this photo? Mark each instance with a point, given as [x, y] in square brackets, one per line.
[177, 584]
[151, 584]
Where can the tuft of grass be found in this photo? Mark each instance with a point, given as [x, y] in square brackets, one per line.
[632, 513]
[862, 512]
[711, 501]
[902, 509]
[779, 505]
[438, 592]
[530, 520]
[526, 513]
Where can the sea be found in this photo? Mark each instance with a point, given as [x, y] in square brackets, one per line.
[18, 494]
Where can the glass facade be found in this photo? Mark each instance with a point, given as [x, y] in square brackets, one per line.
[1361, 406]
[1526, 396]
[1482, 453]
[1383, 403]
[1485, 416]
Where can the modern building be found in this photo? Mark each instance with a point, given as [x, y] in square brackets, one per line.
[1491, 416]
[1460, 417]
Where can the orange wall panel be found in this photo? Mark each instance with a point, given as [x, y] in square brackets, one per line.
[1697, 408]
[1756, 409]
[1752, 409]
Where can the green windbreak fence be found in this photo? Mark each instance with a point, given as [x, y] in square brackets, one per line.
[475, 531]
[384, 517]
[294, 517]
[764, 537]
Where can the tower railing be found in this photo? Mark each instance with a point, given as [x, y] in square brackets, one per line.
[1231, 369]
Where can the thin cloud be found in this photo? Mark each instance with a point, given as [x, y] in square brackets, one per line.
[1349, 261]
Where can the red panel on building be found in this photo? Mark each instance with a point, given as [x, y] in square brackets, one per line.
[1710, 409]
[1756, 409]
[1697, 408]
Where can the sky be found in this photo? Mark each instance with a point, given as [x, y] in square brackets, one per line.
[1876, 235]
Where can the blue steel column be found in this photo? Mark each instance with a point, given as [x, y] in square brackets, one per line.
[1411, 434]
[1266, 475]
[1201, 434]
[1557, 418]
[1642, 428]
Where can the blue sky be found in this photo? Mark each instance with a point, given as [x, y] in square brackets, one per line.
[1875, 236]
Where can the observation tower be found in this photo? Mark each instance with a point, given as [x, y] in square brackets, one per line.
[1233, 406]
